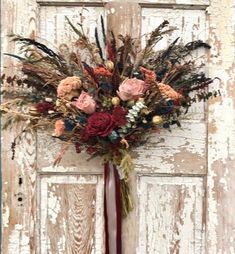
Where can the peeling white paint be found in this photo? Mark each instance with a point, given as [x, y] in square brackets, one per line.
[5, 216]
[18, 241]
[112, 10]
[50, 208]
[170, 211]
[158, 154]
[54, 207]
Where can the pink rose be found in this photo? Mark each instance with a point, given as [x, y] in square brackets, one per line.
[68, 87]
[85, 103]
[131, 89]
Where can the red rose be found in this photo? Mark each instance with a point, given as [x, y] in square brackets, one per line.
[119, 116]
[99, 124]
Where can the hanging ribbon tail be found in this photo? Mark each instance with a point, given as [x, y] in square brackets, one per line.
[112, 210]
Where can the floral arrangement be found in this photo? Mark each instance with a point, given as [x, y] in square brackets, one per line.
[107, 105]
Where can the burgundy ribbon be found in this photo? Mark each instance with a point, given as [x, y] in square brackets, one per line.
[112, 210]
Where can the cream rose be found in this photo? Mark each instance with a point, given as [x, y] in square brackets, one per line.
[131, 89]
[85, 103]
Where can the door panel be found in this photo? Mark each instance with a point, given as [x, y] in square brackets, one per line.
[71, 214]
[170, 214]
[55, 29]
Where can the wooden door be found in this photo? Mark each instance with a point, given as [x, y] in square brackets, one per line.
[182, 184]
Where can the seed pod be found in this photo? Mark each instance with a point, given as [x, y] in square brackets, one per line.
[33, 111]
[157, 120]
[115, 101]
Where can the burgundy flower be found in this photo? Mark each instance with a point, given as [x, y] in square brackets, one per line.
[98, 124]
[91, 150]
[44, 107]
[78, 148]
[119, 116]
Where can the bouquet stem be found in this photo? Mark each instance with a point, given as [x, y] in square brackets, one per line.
[127, 204]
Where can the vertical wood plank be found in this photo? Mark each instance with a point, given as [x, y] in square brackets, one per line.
[221, 131]
[19, 202]
[124, 17]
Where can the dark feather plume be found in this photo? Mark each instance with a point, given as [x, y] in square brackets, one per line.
[98, 44]
[90, 71]
[196, 44]
[166, 53]
[42, 47]
[103, 31]
[15, 56]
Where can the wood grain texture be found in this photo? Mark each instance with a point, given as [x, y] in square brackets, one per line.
[55, 30]
[173, 152]
[19, 200]
[124, 18]
[71, 161]
[221, 131]
[71, 214]
[170, 215]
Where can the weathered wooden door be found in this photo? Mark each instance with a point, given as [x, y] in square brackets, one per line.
[183, 181]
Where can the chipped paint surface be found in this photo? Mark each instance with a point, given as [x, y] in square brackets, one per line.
[19, 203]
[19, 240]
[221, 142]
[70, 214]
[172, 152]
[171, 213]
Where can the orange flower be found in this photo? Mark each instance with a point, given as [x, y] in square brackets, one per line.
[149, 75]
[168, 91]
[68, 87]
[101, 71]
[59, 128]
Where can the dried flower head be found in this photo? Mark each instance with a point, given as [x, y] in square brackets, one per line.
[149, 75]
[59, 128]
[168, 91]
[69, 87]
[101, 71]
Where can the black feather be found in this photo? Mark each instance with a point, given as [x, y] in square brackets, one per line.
[15, 56]
[196, 44]
[166, 53]
[42, 47]
[98, 44]
[103, 30]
